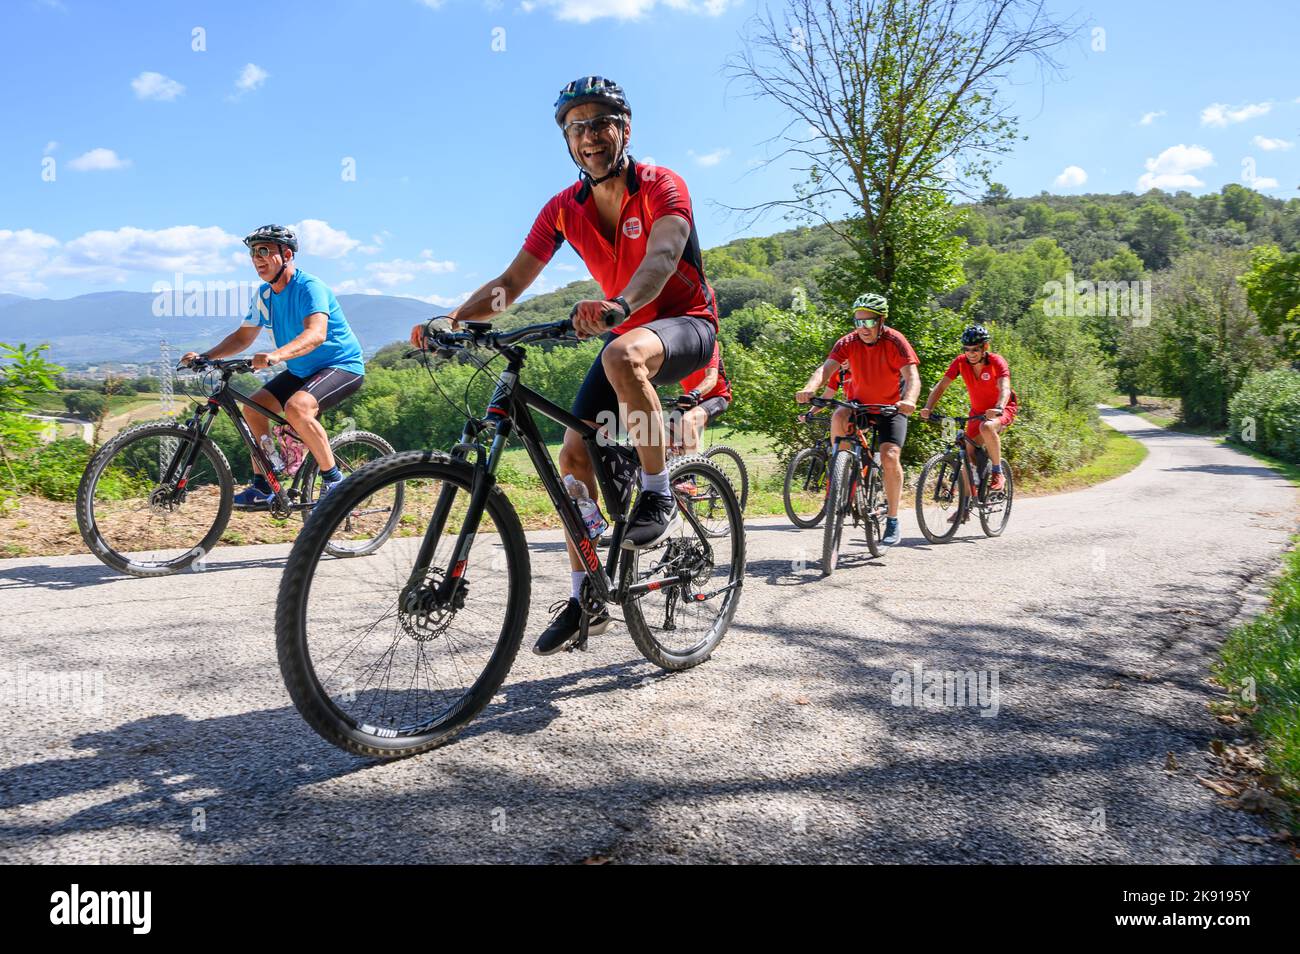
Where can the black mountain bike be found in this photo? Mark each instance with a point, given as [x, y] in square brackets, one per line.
[856, 488]
[395, 656]
[726, 459]
[944, 500]
[157, 497]
[807, 475]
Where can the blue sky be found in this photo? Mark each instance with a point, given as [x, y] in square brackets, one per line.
[164, 155]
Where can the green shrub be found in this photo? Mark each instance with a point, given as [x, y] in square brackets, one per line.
[1265, 414]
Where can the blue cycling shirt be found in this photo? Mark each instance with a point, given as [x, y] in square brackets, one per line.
[285, 313]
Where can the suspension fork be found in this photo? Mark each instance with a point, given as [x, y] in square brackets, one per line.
[201, 429]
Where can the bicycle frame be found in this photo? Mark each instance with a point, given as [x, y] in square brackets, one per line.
[226, 398]
[510, 411]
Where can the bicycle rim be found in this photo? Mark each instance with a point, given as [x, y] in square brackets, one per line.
[728, 460]
[371, 662]
[939, 497]
[137, 522]
[805, 488]
[996, 511]
[680, 625]
[837, 508]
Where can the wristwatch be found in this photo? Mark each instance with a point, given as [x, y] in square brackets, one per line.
[622, 303]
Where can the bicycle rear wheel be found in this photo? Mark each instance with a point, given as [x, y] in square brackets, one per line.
[679, 625]
[995, 512]
[728, 460]
[365, 529]
[874, 509]
[372, 660]
[132, 510]
[940, 497]
[838, 500]
[805, 487]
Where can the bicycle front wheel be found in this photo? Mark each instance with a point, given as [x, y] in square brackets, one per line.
[680, 623]
[995, 512]
[838, 500]
[805, 487]
[940, 498]
[136, 514]
[380, 658]
[728, 460]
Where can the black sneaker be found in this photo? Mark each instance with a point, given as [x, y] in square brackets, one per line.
[654, 517]
[563, 631]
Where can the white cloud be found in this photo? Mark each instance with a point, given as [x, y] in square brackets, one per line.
[1173, 168]
[353, 286]
[320, 239]
[399, 271]
[1269, 145]
[441, 301]
[156, 86]
[431, 4]
[1071, 177]
[250, 78]
[98, 160]
[585, 11]
[709, 158]
[107, 255]
[22, 255]
[1221, 114]
[1148, 118]
[1263, 182]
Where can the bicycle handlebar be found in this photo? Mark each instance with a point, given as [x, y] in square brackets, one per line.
[480, 334]
[225, 366]
[884, 410]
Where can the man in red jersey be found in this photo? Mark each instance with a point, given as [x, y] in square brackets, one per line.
[634, 228]
[706, 393]
[987, 377]
[884, 372]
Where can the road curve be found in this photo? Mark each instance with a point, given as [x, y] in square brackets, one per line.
[1099, 611]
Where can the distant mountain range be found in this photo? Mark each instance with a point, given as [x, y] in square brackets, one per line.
[120, 327]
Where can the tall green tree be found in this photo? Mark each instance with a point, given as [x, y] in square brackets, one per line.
[1272, 284]
[1158, 234]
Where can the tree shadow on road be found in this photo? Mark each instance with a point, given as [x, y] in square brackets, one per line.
[53, 577]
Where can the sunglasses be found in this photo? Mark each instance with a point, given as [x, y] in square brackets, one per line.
[599, 126]
[865, 322]
[262, 251]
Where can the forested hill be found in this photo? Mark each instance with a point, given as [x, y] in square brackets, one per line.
[1099, 237]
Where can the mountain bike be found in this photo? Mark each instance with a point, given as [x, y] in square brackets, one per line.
[943, 497]
[726, 459]
[856, 488]
[807, 475]
[396, 655]
[157, 497]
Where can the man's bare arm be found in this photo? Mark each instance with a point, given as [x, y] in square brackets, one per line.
[663, 251]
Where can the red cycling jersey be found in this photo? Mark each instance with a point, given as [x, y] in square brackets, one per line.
[722, 389]
[875, 367]
[652, 192]
[982, 380]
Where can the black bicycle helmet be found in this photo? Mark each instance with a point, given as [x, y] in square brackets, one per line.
[974, 335]
[278, 234]
[591, 89]
[594, 89]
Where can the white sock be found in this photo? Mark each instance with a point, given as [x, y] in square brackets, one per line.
[656, 483]
[575, 584]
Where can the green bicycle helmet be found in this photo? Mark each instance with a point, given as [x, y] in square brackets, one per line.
[873, 302]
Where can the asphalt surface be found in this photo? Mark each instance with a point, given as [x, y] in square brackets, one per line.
[1100, 613]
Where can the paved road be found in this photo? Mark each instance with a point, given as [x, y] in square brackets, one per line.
[1100, 612]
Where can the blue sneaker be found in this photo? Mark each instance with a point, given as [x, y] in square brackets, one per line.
[892, 535]
[250, 496]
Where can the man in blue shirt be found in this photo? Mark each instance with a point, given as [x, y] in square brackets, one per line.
[312, 337]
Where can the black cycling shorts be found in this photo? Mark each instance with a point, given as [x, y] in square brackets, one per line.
[889, 430]
[328, 386]
[713, 407]
[688, 346]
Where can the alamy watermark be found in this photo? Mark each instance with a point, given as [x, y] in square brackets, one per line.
[946, 689]
[66, 690]
[1089, 299]
[202, 299]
